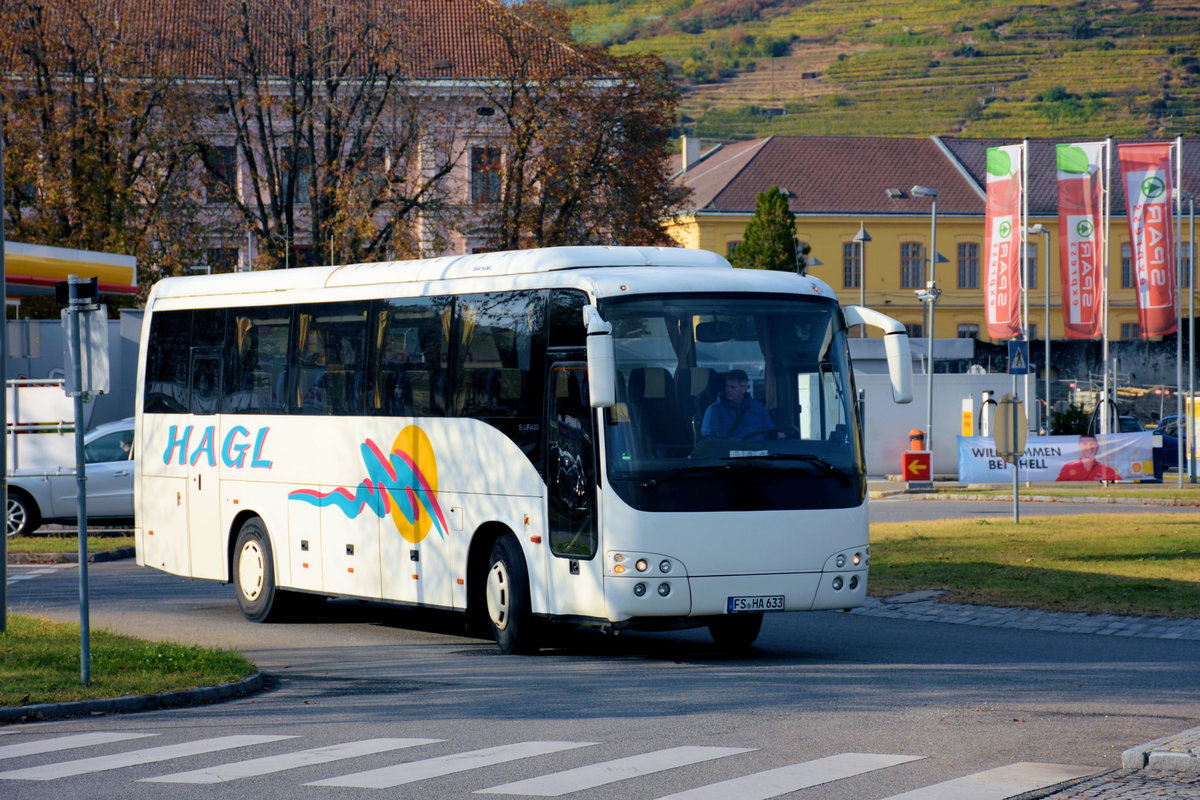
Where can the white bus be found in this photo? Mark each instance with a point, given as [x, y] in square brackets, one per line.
[518, 436]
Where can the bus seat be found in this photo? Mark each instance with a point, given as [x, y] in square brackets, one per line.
[652, 393]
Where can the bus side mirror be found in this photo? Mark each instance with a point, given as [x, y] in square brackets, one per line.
[895, 346]
[601, 360]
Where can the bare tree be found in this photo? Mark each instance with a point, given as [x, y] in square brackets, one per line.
[92, 110]
[340, 148]
[583, 137]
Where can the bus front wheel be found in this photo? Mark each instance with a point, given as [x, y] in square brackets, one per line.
[507, 593]
[254, 573]
[735, 631]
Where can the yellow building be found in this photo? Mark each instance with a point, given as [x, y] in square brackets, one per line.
[839, 185]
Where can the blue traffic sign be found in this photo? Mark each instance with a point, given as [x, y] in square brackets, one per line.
[1018, 357]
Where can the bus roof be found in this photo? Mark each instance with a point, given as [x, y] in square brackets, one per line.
[650, 266]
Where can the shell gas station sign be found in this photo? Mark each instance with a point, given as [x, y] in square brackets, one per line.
[34, 269]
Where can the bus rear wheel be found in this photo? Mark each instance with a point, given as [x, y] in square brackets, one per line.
[254, 574]
[507, 594]
[735, 631]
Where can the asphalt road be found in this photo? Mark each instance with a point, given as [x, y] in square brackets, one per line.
[956, 699]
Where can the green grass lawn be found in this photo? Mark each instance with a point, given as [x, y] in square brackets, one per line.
[67, 544]
[39, 663]
[1111, 563]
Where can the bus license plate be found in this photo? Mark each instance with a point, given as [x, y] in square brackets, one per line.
[746, 605]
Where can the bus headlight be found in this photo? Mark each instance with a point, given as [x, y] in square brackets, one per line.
[664, 589]
[837, 583]
[857, 559]
[642, 565]
[639, 589]
[664, 566]
[841, 561]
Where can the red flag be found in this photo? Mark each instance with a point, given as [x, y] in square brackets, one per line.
[1080, 238]
[1146, 171]
[1002, 292]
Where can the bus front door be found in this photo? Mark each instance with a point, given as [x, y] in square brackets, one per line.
[575, 573]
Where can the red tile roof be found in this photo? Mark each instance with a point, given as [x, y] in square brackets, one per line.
[832, 175]
[439, 38]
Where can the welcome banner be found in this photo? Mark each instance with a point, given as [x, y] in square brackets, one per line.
[1080, 237]
[1146, 171]
[1109, 457]
[1002, 290]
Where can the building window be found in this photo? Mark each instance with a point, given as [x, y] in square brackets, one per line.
[301, 161]
[222, 259]
[851, 265]
[968, 331]
[968, 267]
[915, 330]
[485, 174]
[1126, 267]
[220, 173]
[1031, 332]
[912, 259]
[1131, 330]
[729, 248]
[1031, 263]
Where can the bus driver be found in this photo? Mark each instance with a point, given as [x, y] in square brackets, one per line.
[735, 414]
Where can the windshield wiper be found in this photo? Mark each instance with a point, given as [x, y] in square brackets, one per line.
[679, 473]
[808, 458]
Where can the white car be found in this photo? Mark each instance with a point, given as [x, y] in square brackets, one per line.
[37, 496]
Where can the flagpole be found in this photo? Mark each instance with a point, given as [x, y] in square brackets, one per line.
[1107, 211]
[1179, 418]
[1024, 262]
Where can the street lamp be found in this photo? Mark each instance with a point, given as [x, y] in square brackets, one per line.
[1035, 229]
[862, 237]
[930, 298]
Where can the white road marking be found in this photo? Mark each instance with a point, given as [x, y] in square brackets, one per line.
[150, 755]
[999, 783]
[775, 782]
[65, 743]
[575, 780]
[279, 763]
[413, 771]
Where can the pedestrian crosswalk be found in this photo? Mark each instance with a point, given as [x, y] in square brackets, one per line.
[15, 574]
[409, 767]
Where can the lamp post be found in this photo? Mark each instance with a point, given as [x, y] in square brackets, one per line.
[930, 298]
[1042, 229]
[862, 237]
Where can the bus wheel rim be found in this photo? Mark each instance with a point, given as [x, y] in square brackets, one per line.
[497, 595]
[251, 571]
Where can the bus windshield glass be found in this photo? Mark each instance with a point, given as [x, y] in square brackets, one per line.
[732, 402]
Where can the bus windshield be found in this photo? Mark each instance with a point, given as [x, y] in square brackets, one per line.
[732, 402]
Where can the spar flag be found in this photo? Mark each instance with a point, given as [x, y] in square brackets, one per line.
[1146, 171]
[1080, 237]
[1002, 292]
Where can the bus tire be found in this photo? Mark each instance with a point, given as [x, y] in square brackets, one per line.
[254, 574]
[23, 516]
[735, 631]
[507, 593]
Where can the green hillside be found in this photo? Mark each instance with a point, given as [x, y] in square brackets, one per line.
[966, 67]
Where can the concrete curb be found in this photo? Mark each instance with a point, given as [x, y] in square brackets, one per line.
[1178, 753]
[119, 554]
[143, 702]
[879, 494]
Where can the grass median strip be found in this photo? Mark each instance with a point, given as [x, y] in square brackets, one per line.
[39, 663]
[66, 544]
[1130, 564]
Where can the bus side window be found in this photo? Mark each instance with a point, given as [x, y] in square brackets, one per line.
[256, 343]
[167, 360]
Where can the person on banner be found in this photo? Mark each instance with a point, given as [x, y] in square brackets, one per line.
[735, 414]
[1087, 468]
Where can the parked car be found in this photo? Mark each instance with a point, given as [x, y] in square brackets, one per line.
[1172, 431]
[1125, 424]
[37, 496]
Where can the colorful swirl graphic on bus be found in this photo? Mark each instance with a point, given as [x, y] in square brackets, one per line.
[402, 484]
